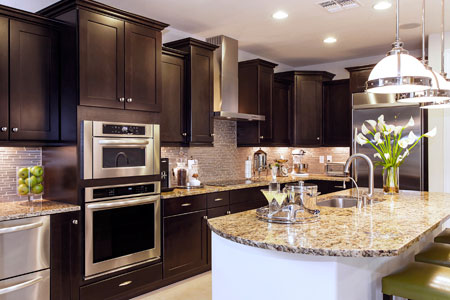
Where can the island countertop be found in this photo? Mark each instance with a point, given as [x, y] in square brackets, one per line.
[11, 210]
[263, 181]
[385, 228]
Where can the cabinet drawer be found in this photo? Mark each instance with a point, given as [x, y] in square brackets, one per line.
[33, 286]
[239, 207]
[119, 286]
[183, 205]
[246, 195]
[218, 199]
[25, 245]
[218, 212]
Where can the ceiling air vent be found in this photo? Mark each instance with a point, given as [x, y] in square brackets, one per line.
[333, 6]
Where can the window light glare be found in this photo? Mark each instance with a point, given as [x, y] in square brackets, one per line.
[280, 15]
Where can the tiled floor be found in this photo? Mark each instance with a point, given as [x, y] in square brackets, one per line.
[195, 288]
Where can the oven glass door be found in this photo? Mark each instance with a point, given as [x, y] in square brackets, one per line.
[121, 232]
[118, 157]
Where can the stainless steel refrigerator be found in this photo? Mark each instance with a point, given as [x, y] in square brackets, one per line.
[413, 172]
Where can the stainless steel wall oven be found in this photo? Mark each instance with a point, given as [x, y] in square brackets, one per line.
[110, 150]
[122, 226]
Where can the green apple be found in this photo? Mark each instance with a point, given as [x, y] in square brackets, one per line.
[32, 181]
[23, 190]
[39, 179]
[24, 173]
[37, 189]
[37, 171]
[21, 181]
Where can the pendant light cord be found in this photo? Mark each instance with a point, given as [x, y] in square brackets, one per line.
[442, 38]
[423, 33]
[397, 35]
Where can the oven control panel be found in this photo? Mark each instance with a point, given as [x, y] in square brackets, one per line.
[123, 191]
[123, 129]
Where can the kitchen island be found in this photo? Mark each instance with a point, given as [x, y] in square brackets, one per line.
[342, 256]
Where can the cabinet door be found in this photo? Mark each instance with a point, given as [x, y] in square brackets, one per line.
[265, 105]
[173, 126]
[34, 94]
[358, 79]
[201, 98]
[185, 243]
[337, 117]
[280, 113]
[308, 112]
[4, 79]
[102, 62]
[142, 68]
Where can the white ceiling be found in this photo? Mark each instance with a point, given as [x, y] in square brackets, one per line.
[295, 41]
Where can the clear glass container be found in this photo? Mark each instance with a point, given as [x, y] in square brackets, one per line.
[180, 172]
[30, 181]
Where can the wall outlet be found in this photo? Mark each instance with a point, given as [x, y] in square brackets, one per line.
[321, 158]
[329, 158]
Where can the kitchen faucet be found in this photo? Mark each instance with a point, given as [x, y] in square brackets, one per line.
[369, 162]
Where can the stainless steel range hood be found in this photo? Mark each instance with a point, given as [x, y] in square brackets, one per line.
[226, 83]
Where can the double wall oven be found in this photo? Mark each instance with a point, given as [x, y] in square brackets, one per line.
[122, 226]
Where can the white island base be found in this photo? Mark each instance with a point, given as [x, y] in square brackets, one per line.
[241, 272]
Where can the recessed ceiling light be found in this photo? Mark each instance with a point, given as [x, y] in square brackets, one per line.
[330, 40]
[280, 15]
[381, 5]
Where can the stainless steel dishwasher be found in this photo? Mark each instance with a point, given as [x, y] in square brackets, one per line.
[25, 259]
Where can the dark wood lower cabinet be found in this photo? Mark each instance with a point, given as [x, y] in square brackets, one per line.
[184, 242]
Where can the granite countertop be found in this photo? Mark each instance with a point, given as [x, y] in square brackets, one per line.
[385, 228]
[24, 209]
[256, 182]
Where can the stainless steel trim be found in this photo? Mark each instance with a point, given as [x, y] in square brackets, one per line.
[86, 149]
[234, 116]
[369, 100]
[20, 286]
[400, 80]
[94, 269]
[89, 191]
[18, 228]
[97, 130]
[157, 149]
[123, 142]
[186, 204]
[25, 246]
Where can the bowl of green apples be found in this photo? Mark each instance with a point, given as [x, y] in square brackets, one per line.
[30, 180]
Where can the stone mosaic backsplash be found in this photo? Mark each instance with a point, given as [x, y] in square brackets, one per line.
[10, 158]
[226, 161]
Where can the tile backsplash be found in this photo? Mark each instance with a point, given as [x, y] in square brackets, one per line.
[226, 161]
[10, 158]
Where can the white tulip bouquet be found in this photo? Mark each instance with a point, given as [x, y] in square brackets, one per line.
[391, 146]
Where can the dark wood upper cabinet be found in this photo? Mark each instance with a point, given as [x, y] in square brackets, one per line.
[34, 83]
[4, 79]
[281, 102]
[102, 63]
[358, 77]
[142, 68]
[306, 106]
[255, 97]
[173, 120]
[119, 55]
[337, 113]
[199, 89]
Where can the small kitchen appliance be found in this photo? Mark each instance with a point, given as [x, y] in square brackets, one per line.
[165, 175]
[260, 162]
[299, 168]
[335, 169]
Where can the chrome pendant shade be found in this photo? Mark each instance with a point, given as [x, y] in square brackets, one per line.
[398, 72]
[440, 88]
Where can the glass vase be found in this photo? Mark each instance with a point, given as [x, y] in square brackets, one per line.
[391, 180]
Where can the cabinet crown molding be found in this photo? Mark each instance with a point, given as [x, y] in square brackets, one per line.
[191, 42]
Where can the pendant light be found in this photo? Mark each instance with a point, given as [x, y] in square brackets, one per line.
[441, 102]
[398, 72]
[439, 87]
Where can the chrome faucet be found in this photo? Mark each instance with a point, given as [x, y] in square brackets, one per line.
[369, 162]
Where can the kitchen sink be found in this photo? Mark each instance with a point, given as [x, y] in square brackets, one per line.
[339, 202]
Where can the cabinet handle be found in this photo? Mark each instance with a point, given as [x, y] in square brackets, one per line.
[212, 134]
[205, 217]
[186, 204]
[318, 138]
[75, 222]
[15, 129]
[4, 129]
[261, 137]
[184, 134]
[228, 212]
[129, 100]
[125, 283]
[121, 99]
[218, 199]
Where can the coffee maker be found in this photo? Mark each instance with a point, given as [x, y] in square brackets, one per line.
[259, 162]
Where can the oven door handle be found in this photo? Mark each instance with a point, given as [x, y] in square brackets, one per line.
[126, 142]
[122, 203]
